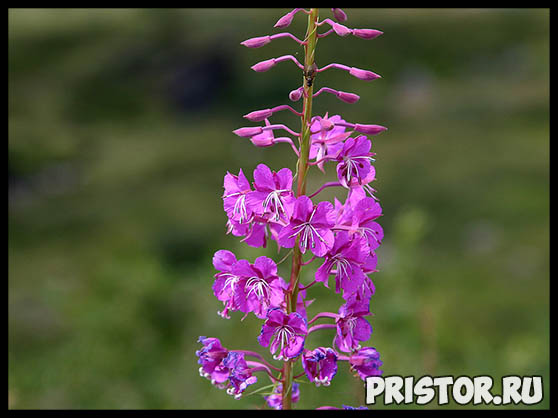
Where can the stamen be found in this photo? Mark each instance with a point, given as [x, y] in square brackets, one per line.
[230, 281]
[240, 208]
[342, 264]
[366, 232]
[274, 204]
[259, 287]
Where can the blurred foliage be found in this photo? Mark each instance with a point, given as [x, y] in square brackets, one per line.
[119, 126]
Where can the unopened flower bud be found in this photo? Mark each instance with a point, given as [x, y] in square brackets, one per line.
[340, 30]
[265, 138]
[363, 74]
[259, 115]
[256, 42]
[295, 95]
[339, 15]
[369, 129]
[367, 33]
[348, 97]
[248, 131]
[262, 66]
[262, 140]
[285, 21]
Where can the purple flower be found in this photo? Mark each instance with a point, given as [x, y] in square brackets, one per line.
[364, 215]
[312, 225]
[351, 326]
[361, 187]
[344, 235]
[347, 257]
[275, 401]
[326, 142]
[273, 198]
[234, 197]
[358, 408]
[211, 358]
[363, 293]
[240, 376]
[255, 233]
[366, 362]
[226, 282]
[285, 332]
[320, 365]
[247, 287]
[359, 217]
[258, 288]
[354, 165]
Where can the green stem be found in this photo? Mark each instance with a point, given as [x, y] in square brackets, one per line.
[302, 169]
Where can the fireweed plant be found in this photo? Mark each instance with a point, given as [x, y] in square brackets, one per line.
[343, 236]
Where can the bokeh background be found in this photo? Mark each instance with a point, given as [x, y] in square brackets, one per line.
[119, 137]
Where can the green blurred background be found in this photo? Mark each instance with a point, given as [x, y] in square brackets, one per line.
[119, 137]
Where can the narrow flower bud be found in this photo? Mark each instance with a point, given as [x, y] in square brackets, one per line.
[295, 95]
[344, 96]
[263, 140]
[363, 74]
[339, 15]
[286, 20]
[348, 97]
[262, 66]
[369, 129]
[339, 29]
[259, 115]
[248, 131]
[256, 42]
[367, 33]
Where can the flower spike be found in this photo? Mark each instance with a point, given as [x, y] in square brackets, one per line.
[339, 237]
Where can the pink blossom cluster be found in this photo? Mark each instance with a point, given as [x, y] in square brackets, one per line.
[342, 234]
